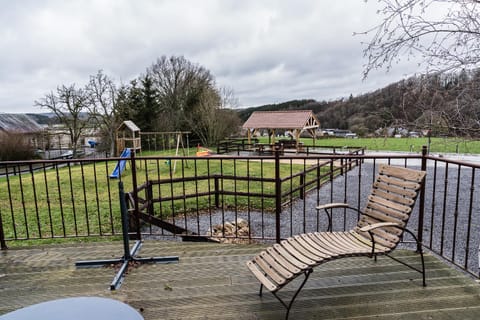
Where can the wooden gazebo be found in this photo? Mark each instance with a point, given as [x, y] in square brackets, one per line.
[296, 121]
[128, 136]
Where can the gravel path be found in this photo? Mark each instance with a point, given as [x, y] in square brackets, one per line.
[441, 205]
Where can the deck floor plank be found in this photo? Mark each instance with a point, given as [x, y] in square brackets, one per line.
[211, 281]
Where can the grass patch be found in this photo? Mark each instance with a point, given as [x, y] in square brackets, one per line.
[82, 201]
[437, 145]
[229, 169]
[76, 200]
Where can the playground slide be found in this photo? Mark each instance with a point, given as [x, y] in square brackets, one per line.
[121, 164]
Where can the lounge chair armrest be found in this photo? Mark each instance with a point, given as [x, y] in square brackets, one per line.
[332, 205]
[328, 208]
[379, 225]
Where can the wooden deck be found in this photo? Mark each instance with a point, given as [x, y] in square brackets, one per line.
[211, 281]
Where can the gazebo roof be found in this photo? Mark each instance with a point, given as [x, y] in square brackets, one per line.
[290, 119]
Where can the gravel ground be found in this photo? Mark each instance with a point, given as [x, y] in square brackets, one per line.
[441, 205]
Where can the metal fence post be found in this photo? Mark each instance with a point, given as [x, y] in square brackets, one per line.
[318, 177]
[3, 243]
[278, 195]
[135, 195]
[217, 191]
[302, 186]
[151, 210]
[421, 208]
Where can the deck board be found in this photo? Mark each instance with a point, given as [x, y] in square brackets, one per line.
[211, 281]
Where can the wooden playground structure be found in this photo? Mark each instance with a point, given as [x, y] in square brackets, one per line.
[129, 136]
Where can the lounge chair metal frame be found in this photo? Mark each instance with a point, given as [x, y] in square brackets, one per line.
[380, 228]
[369, 230]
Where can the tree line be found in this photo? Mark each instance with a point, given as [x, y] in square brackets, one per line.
[442, 103]
[173, 94]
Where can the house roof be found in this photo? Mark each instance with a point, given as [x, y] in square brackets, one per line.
[290, 119]
[20, 123]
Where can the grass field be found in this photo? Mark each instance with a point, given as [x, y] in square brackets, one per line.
[437, 145]
[81, 200]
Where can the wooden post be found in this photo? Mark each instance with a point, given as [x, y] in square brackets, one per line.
[297, 138]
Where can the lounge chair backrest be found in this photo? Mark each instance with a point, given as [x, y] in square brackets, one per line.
[392, 200]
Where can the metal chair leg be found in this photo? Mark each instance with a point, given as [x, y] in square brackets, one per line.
[422, 271]
[289, 306]
[423, 268]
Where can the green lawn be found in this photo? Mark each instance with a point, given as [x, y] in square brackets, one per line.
[437, 145]
[81, 200]
[70, 201]
[202, 167]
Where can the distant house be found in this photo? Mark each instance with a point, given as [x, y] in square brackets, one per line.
[13, 123]
[344, 134]
[339, 133]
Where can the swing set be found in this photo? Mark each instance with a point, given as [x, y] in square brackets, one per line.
[164, 140]
[129, 136]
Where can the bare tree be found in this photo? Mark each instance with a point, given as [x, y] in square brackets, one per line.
[211, 120]
[69, 106]
[202, 119]
[463, 112]
[102, 94]
[180, 84]
[444, 33]
[228, 98]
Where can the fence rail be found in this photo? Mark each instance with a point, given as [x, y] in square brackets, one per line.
[202, 197]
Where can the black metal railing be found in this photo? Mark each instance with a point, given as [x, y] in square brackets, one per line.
[235, 145]
[194, 197]
[58, 199]
[451, 227]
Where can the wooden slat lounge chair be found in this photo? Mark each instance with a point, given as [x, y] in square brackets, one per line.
[379, 229]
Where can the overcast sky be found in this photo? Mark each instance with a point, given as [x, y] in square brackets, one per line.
[266, 51]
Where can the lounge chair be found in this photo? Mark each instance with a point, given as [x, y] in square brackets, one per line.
[379, 229]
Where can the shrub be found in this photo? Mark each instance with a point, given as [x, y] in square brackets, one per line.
[15, 146]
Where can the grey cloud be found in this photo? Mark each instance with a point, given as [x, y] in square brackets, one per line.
[266, 51]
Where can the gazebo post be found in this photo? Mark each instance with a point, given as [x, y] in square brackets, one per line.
[296, 133]
[274, 132]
